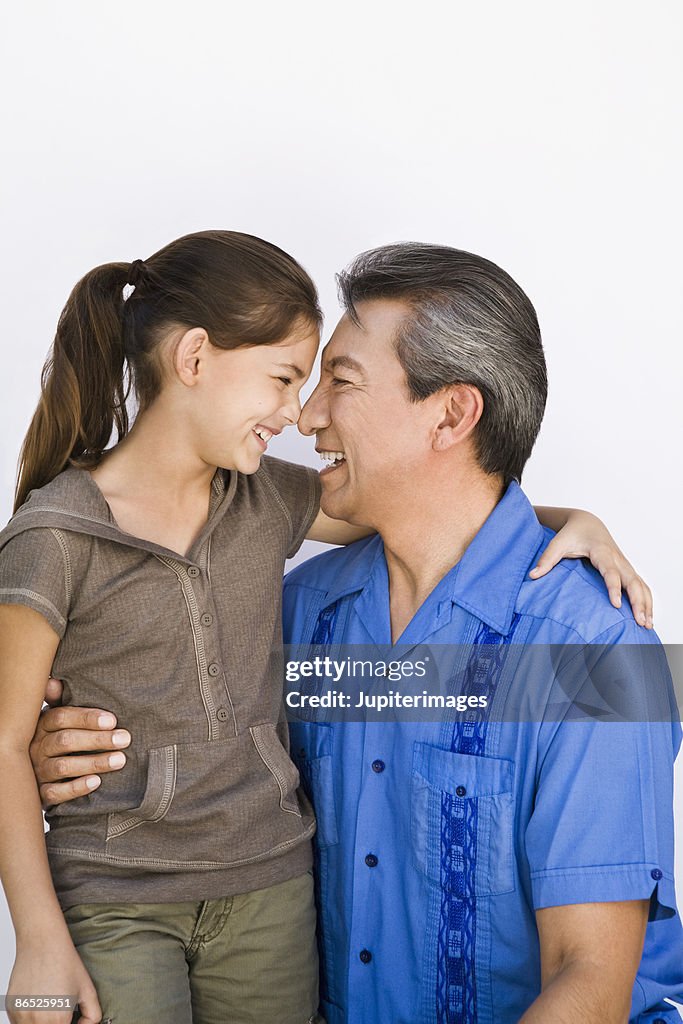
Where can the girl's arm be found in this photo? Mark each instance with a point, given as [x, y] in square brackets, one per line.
[46, 960]
[335, 531]
[581, 534]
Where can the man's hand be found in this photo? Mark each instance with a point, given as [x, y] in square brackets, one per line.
[66, 749]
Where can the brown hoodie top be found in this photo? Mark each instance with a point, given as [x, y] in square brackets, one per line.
[186, 652]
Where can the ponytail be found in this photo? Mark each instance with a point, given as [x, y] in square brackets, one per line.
[239, 288]
[83, 383]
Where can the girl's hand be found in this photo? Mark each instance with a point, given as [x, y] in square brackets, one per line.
[53, 970]
[586, 536]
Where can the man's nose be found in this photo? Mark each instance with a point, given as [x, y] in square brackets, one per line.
[315, 414]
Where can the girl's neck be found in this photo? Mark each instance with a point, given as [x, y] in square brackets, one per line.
[155, 462]
[156, 487]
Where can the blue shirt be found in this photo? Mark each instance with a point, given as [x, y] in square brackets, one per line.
[438, 840]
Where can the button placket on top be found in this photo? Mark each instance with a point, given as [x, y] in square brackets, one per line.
[225, 712]
[212, 682]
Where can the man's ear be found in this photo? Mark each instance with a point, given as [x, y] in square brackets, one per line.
[461, 407]
[187, 355]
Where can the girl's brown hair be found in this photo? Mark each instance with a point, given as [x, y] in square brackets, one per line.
[240, 289]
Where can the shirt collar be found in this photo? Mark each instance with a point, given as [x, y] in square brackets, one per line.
[489, 576]
[487, 579]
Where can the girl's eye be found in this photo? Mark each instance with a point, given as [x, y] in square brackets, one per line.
[286, 381]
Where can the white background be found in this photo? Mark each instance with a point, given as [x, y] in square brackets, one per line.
[546, 137]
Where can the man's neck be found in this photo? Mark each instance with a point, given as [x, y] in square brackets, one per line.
[422, 545]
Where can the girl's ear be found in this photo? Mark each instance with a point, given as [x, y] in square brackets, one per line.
[188, 355]
[461, 408]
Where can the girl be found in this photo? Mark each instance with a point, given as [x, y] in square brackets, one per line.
[147, 578]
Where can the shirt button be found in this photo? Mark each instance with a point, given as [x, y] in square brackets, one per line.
[378, 766]
[222, 714]
[365, 956]
[214, 669]
[460, 791]
[193, 571]
[207, 619]
[656, 874]
[371, 860]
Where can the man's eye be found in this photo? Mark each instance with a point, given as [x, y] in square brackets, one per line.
[339, 380]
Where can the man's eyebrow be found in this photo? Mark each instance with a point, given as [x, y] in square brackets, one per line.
[296, 371]
[346, 361]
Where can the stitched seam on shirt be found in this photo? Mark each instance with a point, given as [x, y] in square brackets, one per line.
[68, 577]
[170, 777]
[34, 597]
[557, 622]
[113, 532]
[603, 869]
[273, 769]
[63, 512]
[589, 582]
[200, 653]
[305, 522]
[279, 500]
[105, 858]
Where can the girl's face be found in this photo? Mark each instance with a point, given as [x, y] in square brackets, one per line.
[246, 395]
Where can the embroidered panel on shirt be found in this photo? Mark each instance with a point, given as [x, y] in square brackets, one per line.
[327, 620]
[456, 990]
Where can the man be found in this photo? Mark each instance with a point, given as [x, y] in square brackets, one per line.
[471, 868]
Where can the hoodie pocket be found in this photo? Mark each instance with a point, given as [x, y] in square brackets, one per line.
[279, 764]
[161, 783]
[214, 804]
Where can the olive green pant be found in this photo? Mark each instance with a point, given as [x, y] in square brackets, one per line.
[246, 959]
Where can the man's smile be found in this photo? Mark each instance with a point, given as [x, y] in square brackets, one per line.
[334, 460]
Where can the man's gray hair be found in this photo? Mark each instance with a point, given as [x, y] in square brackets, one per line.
[470, 323]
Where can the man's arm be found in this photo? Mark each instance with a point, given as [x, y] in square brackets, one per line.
[589, 958]
[61, 768]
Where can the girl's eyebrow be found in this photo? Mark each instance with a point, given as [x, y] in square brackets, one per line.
[296, 371]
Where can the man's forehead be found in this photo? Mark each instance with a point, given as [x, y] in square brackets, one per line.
[355, 345]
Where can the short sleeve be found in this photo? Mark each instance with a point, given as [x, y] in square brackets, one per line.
[602, 827]
[297, 491]
[34, 571]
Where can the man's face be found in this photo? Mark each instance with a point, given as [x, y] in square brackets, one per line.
[361, 411]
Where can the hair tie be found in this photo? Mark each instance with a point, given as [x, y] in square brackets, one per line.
[136, 272]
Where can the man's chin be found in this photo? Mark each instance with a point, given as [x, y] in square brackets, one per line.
[334, 506]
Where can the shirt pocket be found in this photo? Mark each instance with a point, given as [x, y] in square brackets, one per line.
[158, 796]
[462, 813]
[311, 746]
